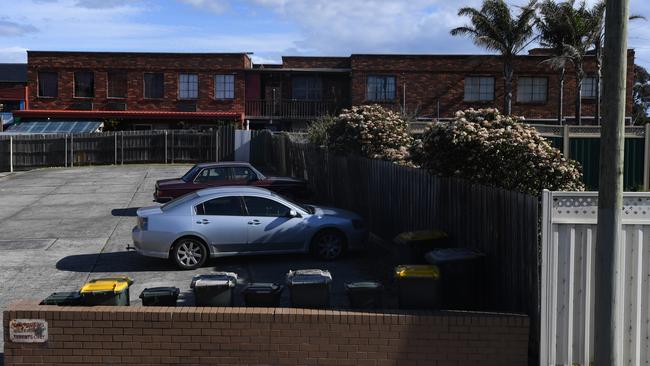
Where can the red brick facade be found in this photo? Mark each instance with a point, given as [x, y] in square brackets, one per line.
[430, 85]
[435, 83]
[273, 336]
[136, 65]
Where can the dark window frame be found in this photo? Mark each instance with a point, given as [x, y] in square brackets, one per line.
[479, 100]
[187, 86]
[312, 90]
[162, 85]
[591, 96]
[40, 86]
[111, 88]
[228, 93]
[388, 94]
[539, 102]
[77, 86]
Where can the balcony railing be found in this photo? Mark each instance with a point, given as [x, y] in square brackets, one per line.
[290, 109]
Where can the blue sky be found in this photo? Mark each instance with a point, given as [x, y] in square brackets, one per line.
[269, 28]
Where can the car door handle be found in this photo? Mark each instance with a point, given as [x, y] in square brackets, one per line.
[254, 222]
[204, 221]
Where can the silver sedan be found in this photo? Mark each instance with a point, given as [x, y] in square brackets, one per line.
[228, 221]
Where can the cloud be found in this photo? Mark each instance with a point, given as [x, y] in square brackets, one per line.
[102, 4]
[216, 6]
[12, 29]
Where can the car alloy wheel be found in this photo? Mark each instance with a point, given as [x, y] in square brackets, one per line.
[190, 254]
[329, 245]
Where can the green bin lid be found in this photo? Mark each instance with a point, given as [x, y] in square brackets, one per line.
[159, 291]
[420, 235]
[363, 285]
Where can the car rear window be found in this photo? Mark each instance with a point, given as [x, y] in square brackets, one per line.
[178, 201]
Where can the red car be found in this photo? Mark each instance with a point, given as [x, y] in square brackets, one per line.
[207, 175]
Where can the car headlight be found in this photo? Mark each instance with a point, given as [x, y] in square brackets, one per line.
[143, 223]
[358, 224]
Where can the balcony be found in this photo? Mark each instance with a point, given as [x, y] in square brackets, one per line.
[290, 109]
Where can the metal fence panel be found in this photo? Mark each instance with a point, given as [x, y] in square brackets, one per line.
[568, 255]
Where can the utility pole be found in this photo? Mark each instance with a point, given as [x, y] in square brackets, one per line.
[610, 194]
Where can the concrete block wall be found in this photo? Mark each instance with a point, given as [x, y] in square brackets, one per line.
[260, 336]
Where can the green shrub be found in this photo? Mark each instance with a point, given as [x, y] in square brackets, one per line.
[317, 132]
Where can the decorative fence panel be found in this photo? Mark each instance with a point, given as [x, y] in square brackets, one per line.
[568, 257]
[174, 146]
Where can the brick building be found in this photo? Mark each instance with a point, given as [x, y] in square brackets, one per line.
[171, 90]
[13, 81]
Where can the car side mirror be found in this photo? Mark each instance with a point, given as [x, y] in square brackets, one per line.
[293, 214]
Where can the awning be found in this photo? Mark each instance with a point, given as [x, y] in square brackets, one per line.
[55, 127]
[65, 113]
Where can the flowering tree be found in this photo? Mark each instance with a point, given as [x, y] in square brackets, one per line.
[371, 131]
[486, 147]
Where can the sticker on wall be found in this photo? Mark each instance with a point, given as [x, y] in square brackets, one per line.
[28, 331]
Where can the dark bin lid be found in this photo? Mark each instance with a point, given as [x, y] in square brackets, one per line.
[309, 277]
[263, 287]
[159, 291]
[61, 296]
[363, 285]
[216, 279]
[440, 256]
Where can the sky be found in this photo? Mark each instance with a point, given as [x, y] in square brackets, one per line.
[269, 28]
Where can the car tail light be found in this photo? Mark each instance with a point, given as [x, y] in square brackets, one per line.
[143, 223]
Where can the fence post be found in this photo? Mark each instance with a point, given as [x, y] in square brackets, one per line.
[122, 148]
[11, 154]
[165, 146]
[65, 150]
[566, 142]
[71, 150]
[172, 146]
[283, 150]
[646, 158]
[115, 146]
[216, 144]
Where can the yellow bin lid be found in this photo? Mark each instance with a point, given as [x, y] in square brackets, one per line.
[417, 271]
[112, 284]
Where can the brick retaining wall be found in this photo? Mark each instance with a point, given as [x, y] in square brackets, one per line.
[255, 336]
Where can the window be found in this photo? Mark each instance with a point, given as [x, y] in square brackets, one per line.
[258, 206]
[224, 206]
[224, 86]
[212, 175]
[188, 86]
[531, 90]
[307, 88]
[243, 173]
[84, 84]
[154, 86]
[117, 84]
[48, 84]
[381, 88]
[589, 87]
[479, 88]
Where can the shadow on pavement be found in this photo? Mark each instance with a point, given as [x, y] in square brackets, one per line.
[113, 262]
[125, 212]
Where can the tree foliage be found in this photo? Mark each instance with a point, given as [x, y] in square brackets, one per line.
[371, 131]
[317, 132]
[641, 95]
[485, 147]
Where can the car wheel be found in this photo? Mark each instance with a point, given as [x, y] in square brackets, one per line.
[328, 244]
[189, 253]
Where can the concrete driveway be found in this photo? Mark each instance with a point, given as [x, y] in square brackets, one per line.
[61, 227]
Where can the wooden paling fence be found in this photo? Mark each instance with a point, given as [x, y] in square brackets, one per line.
[122, 147]
[393, 199]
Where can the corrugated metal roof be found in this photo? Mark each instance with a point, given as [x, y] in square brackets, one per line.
[14, 73]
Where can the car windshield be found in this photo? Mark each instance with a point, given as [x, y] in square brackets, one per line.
[190, 173]
[307, 208]
[178, 201]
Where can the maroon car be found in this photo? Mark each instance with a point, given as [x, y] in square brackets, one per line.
[207, 175]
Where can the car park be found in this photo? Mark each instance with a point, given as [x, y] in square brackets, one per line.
[227, 221]
[206, 175]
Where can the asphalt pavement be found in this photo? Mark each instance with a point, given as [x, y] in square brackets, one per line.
[60, 227]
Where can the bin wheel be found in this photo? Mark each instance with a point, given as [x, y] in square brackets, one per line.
[328, 244]
[189, 253]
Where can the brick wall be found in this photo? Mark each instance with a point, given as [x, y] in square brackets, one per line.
[253, 336]
[316, 62]
[136, 64]
[437, 81]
